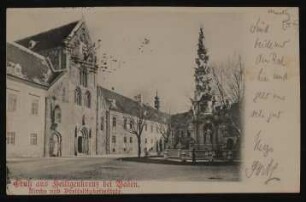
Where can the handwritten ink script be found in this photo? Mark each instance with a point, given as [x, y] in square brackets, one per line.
[286, 20]
[271, 64]
[265, 167]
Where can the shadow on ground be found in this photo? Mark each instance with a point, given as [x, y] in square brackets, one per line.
[178, 162]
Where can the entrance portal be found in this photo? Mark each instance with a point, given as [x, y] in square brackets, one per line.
[83, 142]
[80, 142]
[55, 145]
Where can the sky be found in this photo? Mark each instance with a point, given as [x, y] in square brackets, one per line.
[156, 48]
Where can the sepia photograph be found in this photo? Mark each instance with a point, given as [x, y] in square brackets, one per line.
[105, 99]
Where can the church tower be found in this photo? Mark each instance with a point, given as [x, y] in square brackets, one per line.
[156, 101]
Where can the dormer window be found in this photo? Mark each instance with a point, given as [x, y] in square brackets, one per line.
[113, 103]
[18, 69]
[10, 68]
[32, 44]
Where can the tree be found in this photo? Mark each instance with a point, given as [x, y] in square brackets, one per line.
[138, 123]
[236, 83]
[229, 79]
[166, 131]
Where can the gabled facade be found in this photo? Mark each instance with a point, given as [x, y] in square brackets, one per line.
[78, 117]
[69, 118]
[71, 101]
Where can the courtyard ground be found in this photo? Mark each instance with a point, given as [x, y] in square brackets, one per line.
[101, 168]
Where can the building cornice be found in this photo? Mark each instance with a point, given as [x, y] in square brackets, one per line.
[27, 82]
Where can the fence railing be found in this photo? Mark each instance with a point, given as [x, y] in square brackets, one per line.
[201, 152]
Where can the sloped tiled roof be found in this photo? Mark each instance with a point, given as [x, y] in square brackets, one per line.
[49, 39]
[129, 106]
[34, 67]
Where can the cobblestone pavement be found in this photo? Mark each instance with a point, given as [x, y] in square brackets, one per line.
[100, 168]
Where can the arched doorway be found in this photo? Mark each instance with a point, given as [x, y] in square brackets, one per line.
[55, 145]
[161, 145]
[80, 144]
[83, 141]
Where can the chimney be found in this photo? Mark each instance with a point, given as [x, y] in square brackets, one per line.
[156, 101]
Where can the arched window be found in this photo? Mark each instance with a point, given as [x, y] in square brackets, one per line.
[87, 99]
[83, 77]
[57, 114]
[83, 120]
[78, 96]
[131, 123]
[63, 94]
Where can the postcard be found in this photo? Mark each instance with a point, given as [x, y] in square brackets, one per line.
[130, 100]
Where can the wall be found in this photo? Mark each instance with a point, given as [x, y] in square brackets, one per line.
[22, 122]
[72, 114]
[119, 132]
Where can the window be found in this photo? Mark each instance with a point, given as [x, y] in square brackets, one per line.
[124, 123]
[12, 102]
[63, 94]
[34, 109]
[131, 124]
[114, 121]
[83, 77]
[151, 128]
[33, 139]
[131, 139]
[57, 115]
[114, 150]
[113, 139]
[124, 139]
[146, 140]
[18, 70]
[102, 123]
[87, 99]
[78, 96]
[83, 120]
[145, 126]
[10, 138]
